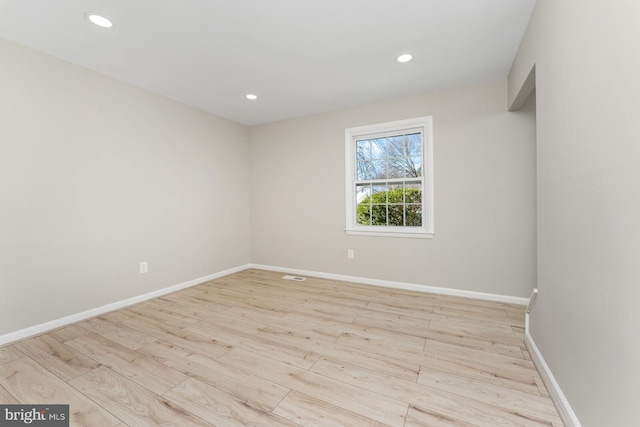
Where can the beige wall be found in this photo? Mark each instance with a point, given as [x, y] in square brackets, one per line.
[586, 321]
[96, 176]
[484, 191]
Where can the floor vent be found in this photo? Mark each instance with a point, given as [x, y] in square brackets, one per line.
[294, 278]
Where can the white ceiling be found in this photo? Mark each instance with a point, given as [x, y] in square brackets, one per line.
[299, 56]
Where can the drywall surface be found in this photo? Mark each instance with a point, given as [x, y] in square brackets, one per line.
[484, 195]
[97, 176]
[585, 321]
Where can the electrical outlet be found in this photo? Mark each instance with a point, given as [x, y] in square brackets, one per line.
[144, 267]
[350, 254]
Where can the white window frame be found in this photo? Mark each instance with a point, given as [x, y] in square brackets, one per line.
[425, 126]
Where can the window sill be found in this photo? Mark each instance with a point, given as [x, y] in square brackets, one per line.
[420, 235]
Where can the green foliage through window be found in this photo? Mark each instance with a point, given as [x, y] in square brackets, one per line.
[394, 205]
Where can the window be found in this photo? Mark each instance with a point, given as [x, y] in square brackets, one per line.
[389, 179]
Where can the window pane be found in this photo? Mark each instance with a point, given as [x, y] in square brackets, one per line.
[363, 209]
[412, 192]
[363, 193]
[414, 145]
[364, 171]
[364, 214]
[378, 148]
[395, 194]
[379, 194]
[379, 215]
[395, 167]
[396, 215]
[413, 167]
[413, 215]
[397, 204]
[378, 169]
[395, 146]
[363, 150]
[389, 158]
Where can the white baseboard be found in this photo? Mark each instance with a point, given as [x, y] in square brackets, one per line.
[67, 320]
[569, 417]
[398, 285]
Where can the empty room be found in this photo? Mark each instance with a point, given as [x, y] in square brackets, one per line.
[319, 213]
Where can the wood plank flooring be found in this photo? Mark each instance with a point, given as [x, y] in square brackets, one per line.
[252, 349]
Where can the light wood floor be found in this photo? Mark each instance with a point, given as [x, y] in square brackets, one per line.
[251, 349]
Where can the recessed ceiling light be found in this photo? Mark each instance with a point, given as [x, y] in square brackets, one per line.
[99, 20]
[405, 57]
[252, 96]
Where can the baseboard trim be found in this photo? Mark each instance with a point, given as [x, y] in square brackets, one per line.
[67, 320]
[98, 311]
[565, 411]
[398, 285]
